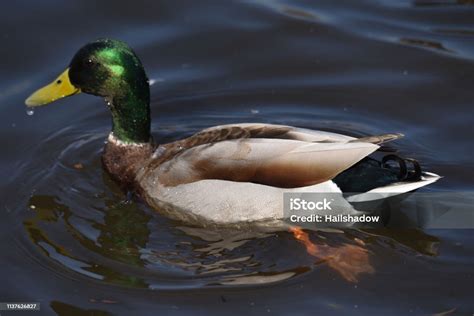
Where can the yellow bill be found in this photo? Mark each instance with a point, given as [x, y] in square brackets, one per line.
[61, 87]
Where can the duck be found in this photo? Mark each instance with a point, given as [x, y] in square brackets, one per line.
[226, 174]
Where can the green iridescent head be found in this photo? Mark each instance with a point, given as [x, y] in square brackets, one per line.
[110, 69]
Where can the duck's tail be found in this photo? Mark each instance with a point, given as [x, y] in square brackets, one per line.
[378, 139]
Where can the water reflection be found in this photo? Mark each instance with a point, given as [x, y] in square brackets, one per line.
[126, 247]
[120, 237]
[62, 308]
[425, 43]
[411, 241]
[442, 2]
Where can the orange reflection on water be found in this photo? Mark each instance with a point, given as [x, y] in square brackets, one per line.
[348, 260]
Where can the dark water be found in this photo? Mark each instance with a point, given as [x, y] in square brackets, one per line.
[71, 240]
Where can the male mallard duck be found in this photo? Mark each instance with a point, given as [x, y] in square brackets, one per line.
[224, 174]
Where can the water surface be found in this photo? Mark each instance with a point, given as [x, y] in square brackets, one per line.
[71, 240]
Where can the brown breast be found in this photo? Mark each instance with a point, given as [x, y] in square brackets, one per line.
[123, 162]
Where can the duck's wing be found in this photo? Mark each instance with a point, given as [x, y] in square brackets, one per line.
[258, 130]
[275, 162]
[273, 155]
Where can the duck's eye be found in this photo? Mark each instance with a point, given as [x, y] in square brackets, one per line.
[89, 62]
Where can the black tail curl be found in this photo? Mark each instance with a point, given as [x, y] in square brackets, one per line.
[404, 174]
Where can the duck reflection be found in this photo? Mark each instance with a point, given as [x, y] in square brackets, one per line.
[98, 242]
